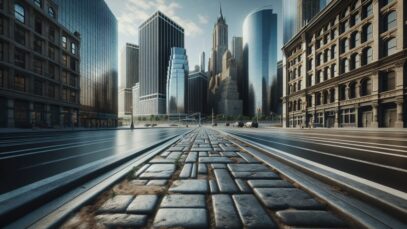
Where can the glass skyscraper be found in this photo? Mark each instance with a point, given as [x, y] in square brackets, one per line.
[157, 35]
[260, 61]
[177, 82]
[99, 58]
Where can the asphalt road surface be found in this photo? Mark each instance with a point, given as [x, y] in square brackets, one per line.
[29, 157]
[376, 155]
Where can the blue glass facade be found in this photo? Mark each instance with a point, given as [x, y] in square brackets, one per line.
[177, 82]
[260, 62]
[99, 58]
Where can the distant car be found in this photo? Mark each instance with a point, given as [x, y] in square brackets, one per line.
[215, 124]
[173, 124]
[153, 125]
[147, 125]
[227, 124]
[252, 124]
[238, 124]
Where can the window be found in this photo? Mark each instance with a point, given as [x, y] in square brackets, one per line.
[73, 64]
[325, 97]
[38, 25]
[19, 58]
[390, 46]
[64, 42]
[51, 12]
[51, 91]
[333, 34]
[388, 81]
[390, 21]
[345, 65]
[73, 48]
[65, 94]
[72, 81]
[65, 60]
[332, 95]
[38, 87]
[353, 61]
[37, 45]
[299, 85]
[38, 3]
[320, 118]
[345, 45]
[72, 97]
[386, 2]
[319, 76]
[2, 78]
[342, 92]
[352, 90]
[326, 73]
[19, 82]
[356, 18]
[51, 71]
[366, 87]
[51, 34]
[19, 35]
[51, 53]
[355, 40]
[333, 70]
[367, 32]
[367, 56]
[333, 51]
[19, 13]
[2, 50]
[64, 77]
[37, 64]
[318, 98]
[348, 116]
[367, 10]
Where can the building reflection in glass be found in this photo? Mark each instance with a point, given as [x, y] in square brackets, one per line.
[99, 58]
[260, 61]
[177, 82]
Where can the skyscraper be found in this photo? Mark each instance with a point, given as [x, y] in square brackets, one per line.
[237, 52]
[99, 63]
[260, 61]
[177, 82]
[157, 35]
[202, 62]
[197, 92]
[129, 76]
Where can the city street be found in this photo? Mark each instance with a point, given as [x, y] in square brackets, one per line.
[29, 157]
[376, 155]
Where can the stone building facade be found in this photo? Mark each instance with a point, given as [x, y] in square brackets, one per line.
[347, 67]
[39, 67]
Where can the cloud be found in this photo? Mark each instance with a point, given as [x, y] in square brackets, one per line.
[137, 11]
[203, 19]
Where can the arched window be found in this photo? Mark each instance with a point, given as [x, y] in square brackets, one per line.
[333, 70]
[333, 52]
[345, 65]
[342, 92]
[390, 21]
[295, 106]
[388, 81]
[299, 85]
[353, 61]
[326, 73]
[355, 39]
[295, 87]
[386, 2]
[367, 56]
[344, 45]
[390, 46]
[332, 95]
[352, 90]
[318, 98]
[51, 12]
[366, 87]
[367, 10]
[38, 3]
[326, 99]
[319, 77]
[367, 32]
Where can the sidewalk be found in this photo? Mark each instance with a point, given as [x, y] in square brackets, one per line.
[204, 181]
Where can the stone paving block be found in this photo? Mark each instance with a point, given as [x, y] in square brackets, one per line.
[176, 148]
[248, 158]
[252, 214]
[202, 168]
[269, 184]
[174, 155]
[203, 154]
[117, 204]
[162, 161]
[228, 148]
[248, 168]
[214, 160]
[225, 213]
[186, 171]
[194, 170]
[181, 218]
[189, 186]
[138, 182]
[310, 218]
[141, 170]
[283, 198]
[218, 166]
[213, 186]
[165, 154]
[228, 154]
[255, 175]
[243, 186]
[159, 171]
[122, 220]
[183, 201]
[202, 149]
[157, 182]
[225, 182]
[192, 157]
[143, 204]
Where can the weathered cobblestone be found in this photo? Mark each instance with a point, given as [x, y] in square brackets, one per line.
[252, 213]
[183, 201]
[269, 184]
[214, 159]
[116, 204]
[159, 171]
[143, 204]
[225, 182]
[225, 213]
[189, 186]
[122, 220]
[181, 218]
[310, 218]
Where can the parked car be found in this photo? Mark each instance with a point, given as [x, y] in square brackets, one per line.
[153, 125]
[215, 124]
[227, 124]
[238, 124]
[252, 124]
[147, 125]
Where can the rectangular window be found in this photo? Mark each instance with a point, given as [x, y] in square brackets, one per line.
[2, 50]
[64, 42]
[64, 77]
[65, 60]
[38, 3]
[51, 91]
[38, 25]
[51, 53]
[19, 35]
[72, 97]
[2, 78]
[38, 87]
[73, 48]
[64, 94]
[1, 25]
[72, 81]
[37, 64]
[37, 45]
[19, 82]
[73, 64]
[51, 34]
[51, 71]
[19, 58]
[19, 13]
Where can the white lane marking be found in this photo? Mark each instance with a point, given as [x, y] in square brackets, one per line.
[334, 155]
[306, 140]
[372, 184]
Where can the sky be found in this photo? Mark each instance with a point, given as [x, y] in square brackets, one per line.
[197, 17]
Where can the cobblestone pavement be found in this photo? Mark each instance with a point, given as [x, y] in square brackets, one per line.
[204, 181]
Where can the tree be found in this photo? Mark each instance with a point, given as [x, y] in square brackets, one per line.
[151, 118]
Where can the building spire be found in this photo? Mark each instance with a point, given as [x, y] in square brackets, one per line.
[220, 9]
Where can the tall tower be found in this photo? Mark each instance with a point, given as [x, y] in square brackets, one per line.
[219, 44]
[157, 35]
[128, 77]
[202, 62]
